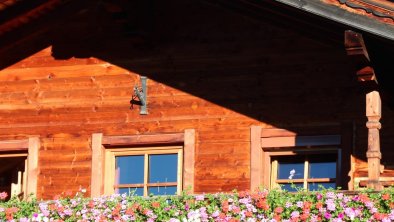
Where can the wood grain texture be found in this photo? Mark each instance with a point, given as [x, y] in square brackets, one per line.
[219, 81]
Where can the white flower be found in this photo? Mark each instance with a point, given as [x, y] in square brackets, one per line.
[292, 173]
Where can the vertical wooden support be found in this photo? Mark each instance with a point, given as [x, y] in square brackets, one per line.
[32, 163]
[256, 155]
[373, 113]
[189, 154]
[97, 185]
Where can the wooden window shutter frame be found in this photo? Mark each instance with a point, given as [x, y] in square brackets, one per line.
[101, 142]
[31, 146]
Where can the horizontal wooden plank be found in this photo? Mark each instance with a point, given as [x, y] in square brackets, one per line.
[134, 126]
[223, 148]
[221, 172]
[74, 83]
[14, 145]
[278, 142]
[50, 171]
[60, 72]
[219, 158]
[277, 133]
[221, 185]
[143, 139]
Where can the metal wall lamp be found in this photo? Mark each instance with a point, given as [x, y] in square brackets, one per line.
[140, 93]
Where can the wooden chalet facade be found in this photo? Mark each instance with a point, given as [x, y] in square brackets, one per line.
[237, 92]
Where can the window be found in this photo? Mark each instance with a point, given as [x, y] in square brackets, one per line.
[158, 164]
[13, 174]
[18, 168]
[281, 158]
[145, 171]
[304, 170]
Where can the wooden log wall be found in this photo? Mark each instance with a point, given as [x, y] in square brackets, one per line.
[213, 70]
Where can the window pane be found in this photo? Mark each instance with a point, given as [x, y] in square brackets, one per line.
[324, 166]
[11, 175]
[169, 190]
[163, 168]
[290, 167]
[130, 169]
[316, 186]
[291, 187]
[132, 190]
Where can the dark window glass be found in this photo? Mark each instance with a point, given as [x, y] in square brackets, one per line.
[163, 168]
[317, 186]
[131, 191]
[11, 171]
[169, 190]
[323, 167]
[130, 169]
[290, 167]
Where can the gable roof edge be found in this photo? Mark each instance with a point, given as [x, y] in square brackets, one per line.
[340, 15]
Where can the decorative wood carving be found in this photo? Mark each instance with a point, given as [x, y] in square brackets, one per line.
[355, 47]
[373, 113]
[378, 8]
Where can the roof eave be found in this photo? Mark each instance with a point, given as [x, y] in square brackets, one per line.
[343, 16]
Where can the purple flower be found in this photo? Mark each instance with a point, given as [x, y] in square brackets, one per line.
[295, 214]
[327, 215]
[203, 213]
[330, 195]
[314, 218]
[193, 215]
[300, 204]
[391, 215]
[369, 204]
[351, 213]
[215, 214]
[200, 197]
[244, 201]
[330, 205]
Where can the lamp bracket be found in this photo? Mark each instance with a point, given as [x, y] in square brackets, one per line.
[140, 93]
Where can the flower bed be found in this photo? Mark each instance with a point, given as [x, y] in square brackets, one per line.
[326, 205]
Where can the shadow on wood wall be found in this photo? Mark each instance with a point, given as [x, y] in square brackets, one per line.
[277, 72]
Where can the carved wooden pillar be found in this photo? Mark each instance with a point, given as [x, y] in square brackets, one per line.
[355, 47]
[373, 113]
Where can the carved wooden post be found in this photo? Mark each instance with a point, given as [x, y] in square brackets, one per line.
[373, 113]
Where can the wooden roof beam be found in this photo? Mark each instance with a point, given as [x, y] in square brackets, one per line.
[355, 47]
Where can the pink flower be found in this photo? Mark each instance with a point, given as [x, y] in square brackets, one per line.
[199, 197]
[3, 195]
